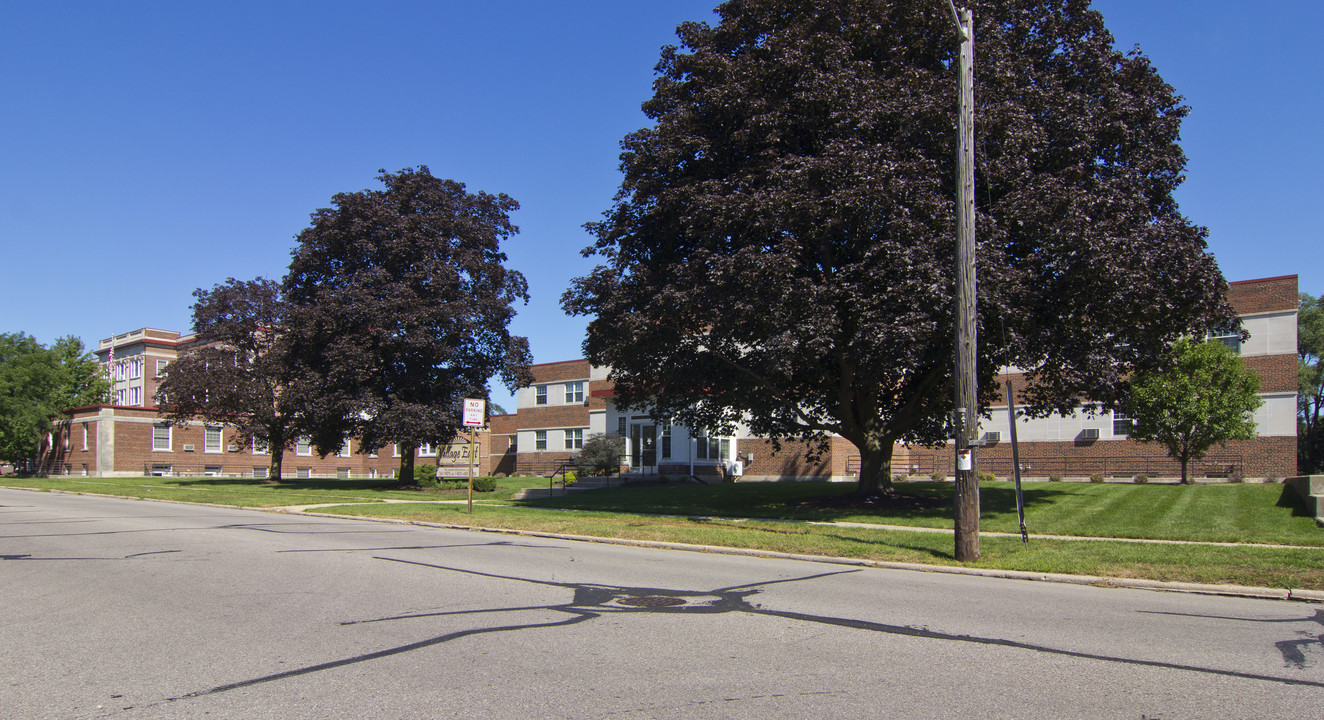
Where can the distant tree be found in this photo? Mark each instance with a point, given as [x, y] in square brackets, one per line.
[36, 383]
[237, 374]
[401, 303]
[601, 454]
[1310, 393]
[780, 251]
[1206, 397]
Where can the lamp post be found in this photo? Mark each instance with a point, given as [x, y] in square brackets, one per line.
[966, 415]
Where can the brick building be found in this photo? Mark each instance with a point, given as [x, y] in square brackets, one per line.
[570, 401]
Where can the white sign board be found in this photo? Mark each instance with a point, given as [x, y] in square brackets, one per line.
[475, 413]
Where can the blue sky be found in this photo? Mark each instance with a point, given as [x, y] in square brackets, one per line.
[151, 148]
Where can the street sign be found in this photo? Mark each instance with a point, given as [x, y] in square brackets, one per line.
[475, 413]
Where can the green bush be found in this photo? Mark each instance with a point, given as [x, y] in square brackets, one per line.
[898, 478]
[1141, 478]
[987, 477]
[601, 454]
[1054, 478]
[663, 479]
[425, 476]
[1096, 478]
[570, 477]
[937, 477]
[485, 484]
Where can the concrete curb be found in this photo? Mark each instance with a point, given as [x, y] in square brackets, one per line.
[1297, 595]
[1096, 581]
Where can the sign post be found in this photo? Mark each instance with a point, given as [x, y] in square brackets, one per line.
[475, 412]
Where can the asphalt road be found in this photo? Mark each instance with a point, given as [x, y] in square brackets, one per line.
[131, 609]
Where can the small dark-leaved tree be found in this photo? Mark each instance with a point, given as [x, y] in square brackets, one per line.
[781, 249]
[1206, 397]
[601, 454]
[400, 307]
[237, 373]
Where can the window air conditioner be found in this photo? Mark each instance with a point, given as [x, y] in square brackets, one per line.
[992, 438]
[188, 448]
[1089, 434]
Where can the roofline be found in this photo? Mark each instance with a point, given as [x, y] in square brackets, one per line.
[559, 362]
[1260, 280]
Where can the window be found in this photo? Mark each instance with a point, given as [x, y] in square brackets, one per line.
[666, 439]
[261, 447]
[574, 439]
[342, 473]
[260, 473]
[620, 426]
[711, 448]
[540, 395]
[303, 446]
[1231, 340]
[574, 392]
[135, 396]
[1121, 424]
[84, 437]
[211, 470]
[161, 366]
[161, 437]
[211, 441]
[427, 450]
[121, 397]
[344, 448]
[304, 472]
[135, 368]
[539, 439]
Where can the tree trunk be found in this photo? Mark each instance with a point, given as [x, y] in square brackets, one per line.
[875, 468]
[1185, 479]
[407, 453]
[275, 446]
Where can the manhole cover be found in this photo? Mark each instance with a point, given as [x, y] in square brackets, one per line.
[651, 601]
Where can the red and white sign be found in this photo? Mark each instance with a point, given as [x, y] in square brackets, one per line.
[475, 413]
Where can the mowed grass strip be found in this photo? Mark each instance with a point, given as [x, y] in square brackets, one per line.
[1249, 566]
[1238, 513]
[706, 515]
[242, 492]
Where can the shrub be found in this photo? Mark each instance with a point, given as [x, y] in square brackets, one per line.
[987, 477]
[485, 484]
[1236, 476]
[1096, 478]
[1054, 478]
[601, 454]
[898, 478]
[937, 477]
[425, 476]
[1141, 479]
[663, 479]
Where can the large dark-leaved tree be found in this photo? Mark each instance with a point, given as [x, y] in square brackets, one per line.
[237, 373]
[781, 247]
[401, 302]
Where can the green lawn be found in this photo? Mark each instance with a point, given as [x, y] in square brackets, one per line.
[1214, 513]
[251, 493]
[708, 515]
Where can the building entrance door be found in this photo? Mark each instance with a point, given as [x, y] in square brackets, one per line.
[643, 448]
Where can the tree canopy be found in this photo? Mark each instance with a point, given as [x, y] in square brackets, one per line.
[36, 383]
[237, 372]
[1207, 397]
[781, 246]
[1310, 393]
[400, 305]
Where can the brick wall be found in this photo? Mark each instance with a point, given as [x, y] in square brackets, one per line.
[560, 371]
[1263, 295]
[1264, 457]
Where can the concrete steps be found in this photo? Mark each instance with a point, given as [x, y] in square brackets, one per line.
[1311, 490]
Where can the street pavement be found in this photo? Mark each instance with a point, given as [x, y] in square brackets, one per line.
[133, 609]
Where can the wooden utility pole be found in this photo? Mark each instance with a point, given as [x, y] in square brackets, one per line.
[967, 390]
